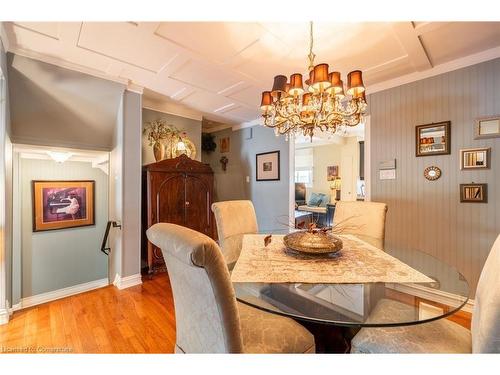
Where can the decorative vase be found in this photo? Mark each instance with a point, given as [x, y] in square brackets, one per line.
[159, 151]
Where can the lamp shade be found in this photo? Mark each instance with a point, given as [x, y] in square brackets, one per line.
[341, 94]
[355, 83]
[306, 101]
[296, 87]
[320, 79]
[360, 95]
[279, 85]
[336, 83]
[266, 101]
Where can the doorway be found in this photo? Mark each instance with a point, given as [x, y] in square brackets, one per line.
[58, 254]
[326, 169]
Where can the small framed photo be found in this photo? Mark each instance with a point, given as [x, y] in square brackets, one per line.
[475, 158]
[474, 193]
[433, 139]
[225, 145]
[487, 127]
[62, 204]
[332, 172]
[268, 166]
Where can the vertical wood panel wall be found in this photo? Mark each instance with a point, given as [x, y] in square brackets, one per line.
[427, 215]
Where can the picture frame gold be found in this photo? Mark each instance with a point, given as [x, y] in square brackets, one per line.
[433, 139]
[475, 158]
[62, 204]
[225, 144]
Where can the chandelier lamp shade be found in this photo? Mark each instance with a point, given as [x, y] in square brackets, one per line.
[321, 104]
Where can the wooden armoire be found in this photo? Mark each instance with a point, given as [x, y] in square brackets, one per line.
[177, 191]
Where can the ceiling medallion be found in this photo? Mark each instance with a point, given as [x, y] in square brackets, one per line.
[289, 109]
[432, 173]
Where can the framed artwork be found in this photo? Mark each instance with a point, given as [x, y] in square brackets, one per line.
[433, 139]
[332, 172]
[474, 193]
[487, 127]
[475, 158]
[62, 204]
[224, 144]
[268, 166]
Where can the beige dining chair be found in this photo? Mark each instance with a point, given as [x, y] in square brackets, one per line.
[365, 220]
[208, 317]
[234, 219]
[442, 336]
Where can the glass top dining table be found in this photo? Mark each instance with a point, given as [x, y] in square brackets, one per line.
[368, 304]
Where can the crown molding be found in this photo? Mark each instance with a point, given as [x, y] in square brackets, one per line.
[476, 58]
[67, 65]
[135, 88]
[248, 124]
[171, 108]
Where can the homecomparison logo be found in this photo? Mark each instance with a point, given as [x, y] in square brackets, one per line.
[33, 349]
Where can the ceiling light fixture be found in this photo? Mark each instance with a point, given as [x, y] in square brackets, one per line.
[59, 157]
[288, 108]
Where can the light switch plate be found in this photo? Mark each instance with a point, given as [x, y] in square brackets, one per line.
[387, 174]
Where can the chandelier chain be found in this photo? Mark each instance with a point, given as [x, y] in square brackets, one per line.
[311, 45]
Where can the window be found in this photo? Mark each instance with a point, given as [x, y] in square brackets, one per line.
[305, 176]
[304, 166]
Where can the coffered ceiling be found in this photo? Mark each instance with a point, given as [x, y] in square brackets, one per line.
[220, 68]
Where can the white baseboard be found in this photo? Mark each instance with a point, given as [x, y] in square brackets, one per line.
[60, 293]
[434, 295]
[127, 281]
[4, 316]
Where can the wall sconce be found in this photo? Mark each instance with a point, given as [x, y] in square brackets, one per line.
[224, 160]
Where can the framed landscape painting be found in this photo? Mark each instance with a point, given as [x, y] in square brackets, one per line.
[62, 204]
[268, 166]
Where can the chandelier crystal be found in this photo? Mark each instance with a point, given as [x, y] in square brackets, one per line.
[290, 109]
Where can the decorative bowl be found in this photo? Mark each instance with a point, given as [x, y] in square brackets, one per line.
[313, 242]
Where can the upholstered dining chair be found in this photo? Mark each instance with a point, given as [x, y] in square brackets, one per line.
[234, 219]
[443, 335]
[365, 220]
[208, 317]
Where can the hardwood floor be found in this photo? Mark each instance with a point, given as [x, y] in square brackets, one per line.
[139, 319]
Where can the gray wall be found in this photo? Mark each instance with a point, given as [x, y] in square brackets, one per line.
[427, 215]
[52, 260]
[270, 198]
[54, 106]
[131, 180]
[191, 127]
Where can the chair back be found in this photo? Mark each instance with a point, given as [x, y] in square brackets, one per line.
[485, 327]
[365, 220]
[234, 219]
[206, 313]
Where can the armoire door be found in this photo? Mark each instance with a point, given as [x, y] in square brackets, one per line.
[198, 214]
[170, 200]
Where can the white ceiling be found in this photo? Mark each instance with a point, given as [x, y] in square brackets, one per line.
[220, 68]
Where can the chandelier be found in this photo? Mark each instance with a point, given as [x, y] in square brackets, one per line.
[291, 109]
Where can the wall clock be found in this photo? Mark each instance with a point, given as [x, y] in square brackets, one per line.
[432, 173]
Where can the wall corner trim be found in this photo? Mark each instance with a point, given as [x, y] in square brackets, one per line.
[60, 293]
[127, 281]
[4, 316]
